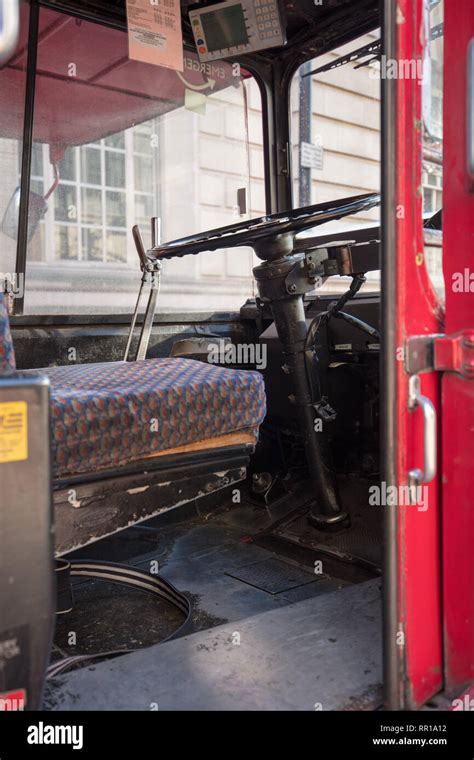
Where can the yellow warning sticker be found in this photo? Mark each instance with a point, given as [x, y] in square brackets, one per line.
[13, 431]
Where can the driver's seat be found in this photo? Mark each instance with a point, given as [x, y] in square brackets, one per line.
[108, 415]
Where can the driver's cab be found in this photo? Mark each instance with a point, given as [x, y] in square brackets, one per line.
[191, 326]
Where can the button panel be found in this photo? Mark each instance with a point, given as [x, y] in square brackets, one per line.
[263, 27]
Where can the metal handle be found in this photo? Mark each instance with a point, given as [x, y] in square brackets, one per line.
[470, 110]
[137, 238]
[415, 400]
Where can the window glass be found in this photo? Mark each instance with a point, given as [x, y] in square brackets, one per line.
[91, 206]
[12, 103]
[65, 203]
[336, 138]
[66, 166]
[433, 143]
[129, 141]
[115, 168]
[66, 241]
[92, 244]
[91, 169]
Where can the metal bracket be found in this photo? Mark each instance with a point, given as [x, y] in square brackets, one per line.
[301, 278]
[434, 353]
[441, 353]
[419, 354]
[455, 353]
[338, 257]
[345, 257]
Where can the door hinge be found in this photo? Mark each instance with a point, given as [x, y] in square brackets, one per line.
[441, 353]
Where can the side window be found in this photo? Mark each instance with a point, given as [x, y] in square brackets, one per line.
[117, 142]
[12, 112]
[433, 146]
[336, 136]
[336, 133]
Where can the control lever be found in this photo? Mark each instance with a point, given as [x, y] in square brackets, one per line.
[150, 272]
[138, 240]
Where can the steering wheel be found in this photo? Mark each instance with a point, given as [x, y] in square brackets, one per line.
[270, 236]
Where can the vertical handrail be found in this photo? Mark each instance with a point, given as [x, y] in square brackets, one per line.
[28, 119]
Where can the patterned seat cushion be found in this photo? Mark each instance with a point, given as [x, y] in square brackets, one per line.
[111, 414]
[7, 355]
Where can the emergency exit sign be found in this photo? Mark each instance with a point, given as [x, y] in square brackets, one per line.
[311, 156]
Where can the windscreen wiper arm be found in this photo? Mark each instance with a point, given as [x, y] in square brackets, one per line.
[374, 49]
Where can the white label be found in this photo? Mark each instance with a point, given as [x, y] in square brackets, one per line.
[154, 32]
[311, 156]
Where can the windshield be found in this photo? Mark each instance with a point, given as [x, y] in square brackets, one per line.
[115, 142]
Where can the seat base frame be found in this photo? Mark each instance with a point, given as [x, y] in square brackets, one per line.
[86, 509]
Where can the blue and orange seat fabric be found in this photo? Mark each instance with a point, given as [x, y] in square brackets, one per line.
[108, 415]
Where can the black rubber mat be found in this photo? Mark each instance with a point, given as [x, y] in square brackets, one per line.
[361, 542]
[358, 544]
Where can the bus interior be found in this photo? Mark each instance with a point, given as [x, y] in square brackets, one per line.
[215, 443]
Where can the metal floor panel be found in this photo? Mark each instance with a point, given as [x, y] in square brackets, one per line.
[273, 575]
[322, 653]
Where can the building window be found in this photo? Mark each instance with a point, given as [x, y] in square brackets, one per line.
[104, 189]
[432, 188]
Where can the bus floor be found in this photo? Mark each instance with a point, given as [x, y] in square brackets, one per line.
[245, 568]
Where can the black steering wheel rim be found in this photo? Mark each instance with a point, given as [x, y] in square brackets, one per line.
[253, 232]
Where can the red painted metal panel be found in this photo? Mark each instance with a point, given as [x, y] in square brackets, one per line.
[418, 313]
[458, 392]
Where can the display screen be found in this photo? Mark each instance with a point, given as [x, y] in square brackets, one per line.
[224, 28]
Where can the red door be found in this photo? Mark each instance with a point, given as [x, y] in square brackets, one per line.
[458, 384]
[413, 646]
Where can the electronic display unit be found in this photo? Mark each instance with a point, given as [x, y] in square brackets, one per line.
[233, 28]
